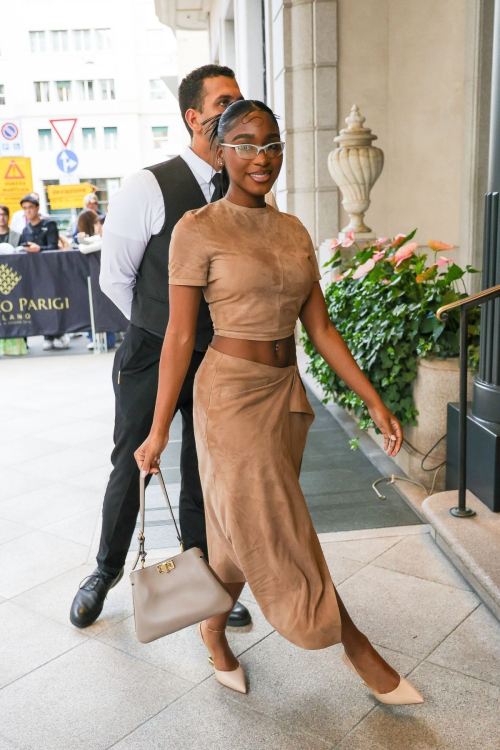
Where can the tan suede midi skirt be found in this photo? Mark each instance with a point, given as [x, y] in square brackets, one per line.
[251, 423]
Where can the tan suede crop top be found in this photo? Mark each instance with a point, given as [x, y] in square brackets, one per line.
[256, 266]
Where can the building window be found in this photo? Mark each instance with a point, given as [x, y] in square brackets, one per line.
[63, 91]
[2, 94]
[160, 137]
[110, 138]
[107, 88]
[59, 41]
[45, 139]
[89, 139]
[82, 39]
[85, 90]
[42, 91]
[37, 41]
[103, 37]
[157, 89]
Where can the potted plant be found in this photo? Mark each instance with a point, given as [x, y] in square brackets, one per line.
[383, 301]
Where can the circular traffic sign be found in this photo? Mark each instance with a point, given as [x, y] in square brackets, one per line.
[10, 131]
[67, 161]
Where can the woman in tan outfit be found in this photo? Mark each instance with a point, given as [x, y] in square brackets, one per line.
[258, 270]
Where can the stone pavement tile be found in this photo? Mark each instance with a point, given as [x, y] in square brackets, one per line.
[28, 640]
[473, 648]
[101, 409]
[53, 599]
[78, 432]
[94, 479]
[340, 567]
[364, 550]
[421, 557]
[460, 713]
[214, 722]
[64, 463]
[384, 531]
[12, 530]
[307, 691]
[15, 482]
[102, 445]
[6, 745]
[35, 558]
[30, 422]
[183, 653]
[24, 450]
[402, 612]
[42, 507]
[78, 528]
[86, 699]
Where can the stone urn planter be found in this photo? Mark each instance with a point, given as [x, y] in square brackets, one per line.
[436, 384]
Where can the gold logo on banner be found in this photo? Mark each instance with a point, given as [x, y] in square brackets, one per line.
[8, 279]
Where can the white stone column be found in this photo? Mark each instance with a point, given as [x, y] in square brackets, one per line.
[302, 85]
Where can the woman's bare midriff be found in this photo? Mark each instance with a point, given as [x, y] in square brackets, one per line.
[280, 353]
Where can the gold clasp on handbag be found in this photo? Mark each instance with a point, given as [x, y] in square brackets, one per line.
[165, 567]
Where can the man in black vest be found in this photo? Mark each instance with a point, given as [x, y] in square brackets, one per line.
[134, 274]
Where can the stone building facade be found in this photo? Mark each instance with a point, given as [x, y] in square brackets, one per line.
[420, 73]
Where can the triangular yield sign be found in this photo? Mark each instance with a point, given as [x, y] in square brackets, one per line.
[13, 172]
[64, 128]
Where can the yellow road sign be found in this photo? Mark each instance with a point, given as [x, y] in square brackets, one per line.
[15, 180]
[68, 196]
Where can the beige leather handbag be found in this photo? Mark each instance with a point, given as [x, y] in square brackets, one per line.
[177, 592]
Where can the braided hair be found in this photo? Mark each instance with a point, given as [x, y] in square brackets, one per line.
[220, 125]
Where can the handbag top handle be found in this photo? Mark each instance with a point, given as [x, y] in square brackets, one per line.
[142, 498]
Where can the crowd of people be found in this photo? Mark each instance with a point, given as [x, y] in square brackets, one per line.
[29, 230]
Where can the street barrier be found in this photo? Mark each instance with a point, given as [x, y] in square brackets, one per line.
[47, 293]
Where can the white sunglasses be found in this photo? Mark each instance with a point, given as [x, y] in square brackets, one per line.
[249, 151]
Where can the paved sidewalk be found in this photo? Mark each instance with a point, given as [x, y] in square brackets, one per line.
[61, 688]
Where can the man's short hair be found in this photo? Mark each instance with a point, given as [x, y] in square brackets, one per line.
[191, 90]
[6, 210]
[90, 198]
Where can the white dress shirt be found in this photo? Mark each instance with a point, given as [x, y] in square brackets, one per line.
[136, 212]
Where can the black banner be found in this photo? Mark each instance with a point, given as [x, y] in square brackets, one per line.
[47, 293]
[107, 317]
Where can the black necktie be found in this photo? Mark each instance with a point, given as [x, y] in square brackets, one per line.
[216, 182]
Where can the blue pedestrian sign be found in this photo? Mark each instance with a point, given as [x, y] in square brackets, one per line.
[67, 161]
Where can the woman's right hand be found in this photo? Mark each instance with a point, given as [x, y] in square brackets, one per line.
[148, 454]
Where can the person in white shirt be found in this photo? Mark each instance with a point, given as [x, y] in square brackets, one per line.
[134, 275]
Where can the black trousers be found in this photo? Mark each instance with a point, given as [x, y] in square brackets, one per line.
[136, 367]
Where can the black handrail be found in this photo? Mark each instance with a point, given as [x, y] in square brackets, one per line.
[465, 304]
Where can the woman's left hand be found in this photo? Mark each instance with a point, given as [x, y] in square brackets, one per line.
[389, 426]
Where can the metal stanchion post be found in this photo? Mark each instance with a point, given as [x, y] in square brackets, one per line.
[100, 339]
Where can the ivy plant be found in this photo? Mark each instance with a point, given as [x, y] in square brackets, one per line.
[383, 301]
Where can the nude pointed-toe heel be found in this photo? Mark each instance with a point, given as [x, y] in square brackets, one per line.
[404, 695]
[234, 679]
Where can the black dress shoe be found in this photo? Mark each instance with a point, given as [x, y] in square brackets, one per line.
[89, 600]
[239, 617]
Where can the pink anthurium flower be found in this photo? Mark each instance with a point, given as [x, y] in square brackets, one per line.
[364, 268]
[380, 241]
[335, 243]
[405, 252]
[378, 256]
[385, 281]
[349, 239]
[442, 261]
[398, 239]
[437, 245]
